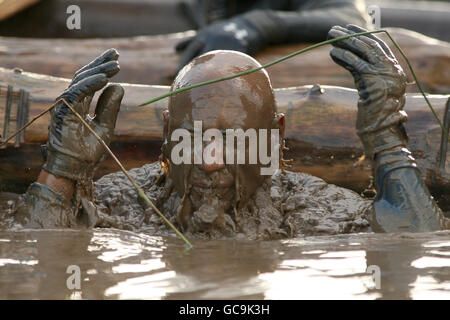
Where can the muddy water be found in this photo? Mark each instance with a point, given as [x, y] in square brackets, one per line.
[121, 264]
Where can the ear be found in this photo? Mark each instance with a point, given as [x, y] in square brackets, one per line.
[163, 159]
[166, 117]
[279, 122]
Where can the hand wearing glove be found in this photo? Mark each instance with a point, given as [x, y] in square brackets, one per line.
[271, 22]
[381, 84]
[403, 202]
[72, 150]
[239, 33]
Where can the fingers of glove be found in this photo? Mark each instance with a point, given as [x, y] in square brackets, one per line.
[84, 105]
[180, 46]
[351, 62]
[380, 42]
[194, 48]
[354, 44]
[108, 106]
[377, 50]
[109, 68]
[84, 88]
[108, 55]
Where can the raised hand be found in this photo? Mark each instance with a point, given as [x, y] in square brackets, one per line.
[72, 150]
[381, 84]
[403, 202]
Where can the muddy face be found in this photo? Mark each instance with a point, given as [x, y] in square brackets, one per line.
[211, 192]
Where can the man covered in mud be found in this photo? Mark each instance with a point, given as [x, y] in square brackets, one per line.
[249, 26]
[218, 199]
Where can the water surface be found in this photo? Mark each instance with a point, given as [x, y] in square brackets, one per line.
[118, 264]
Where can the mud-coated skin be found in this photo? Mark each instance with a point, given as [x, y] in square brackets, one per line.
[41, 207]
[210, 194]
[249, 26]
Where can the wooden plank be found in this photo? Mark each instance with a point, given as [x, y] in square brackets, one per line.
[10, 7]
[99, 19]
[152, 60]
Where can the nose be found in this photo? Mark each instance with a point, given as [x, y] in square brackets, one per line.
[212, 157]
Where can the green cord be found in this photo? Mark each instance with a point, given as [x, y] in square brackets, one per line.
[297, 53]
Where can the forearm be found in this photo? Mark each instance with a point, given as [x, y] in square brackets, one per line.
[42, 207]
[47, 203]
[404, 203]
[307, 25]
[51, 202]
[60, 185]
[72, 154]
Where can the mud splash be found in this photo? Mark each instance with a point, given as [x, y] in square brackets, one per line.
[289, 204]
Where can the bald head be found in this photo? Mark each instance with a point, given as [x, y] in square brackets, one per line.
[243, 102]
[240, 104]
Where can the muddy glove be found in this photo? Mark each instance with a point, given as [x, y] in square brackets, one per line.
[403, 202]
[239, 33]
[72, 150]
[381, 84]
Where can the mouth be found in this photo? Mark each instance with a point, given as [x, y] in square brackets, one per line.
[208, 184]
[203, 188]
[220, 183]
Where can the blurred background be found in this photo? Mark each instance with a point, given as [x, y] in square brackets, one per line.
[122, 18]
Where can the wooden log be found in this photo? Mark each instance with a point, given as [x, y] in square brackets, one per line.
[9, 8]
[320, 132]
[152, 59]
[99, 19]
